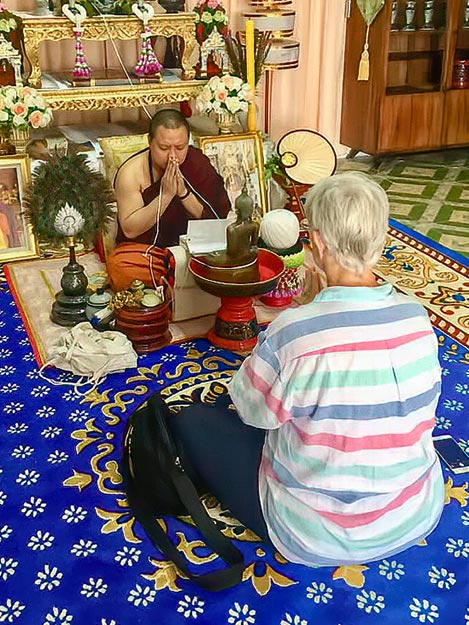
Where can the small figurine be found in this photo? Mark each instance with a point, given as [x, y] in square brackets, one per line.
[241, 236]
[214, 45]
[238, 263]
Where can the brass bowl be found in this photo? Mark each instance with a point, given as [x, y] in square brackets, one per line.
[270, 268]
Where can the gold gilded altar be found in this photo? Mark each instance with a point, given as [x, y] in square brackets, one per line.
[38, 29]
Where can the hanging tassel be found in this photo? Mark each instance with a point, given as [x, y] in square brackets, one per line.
[364, 66]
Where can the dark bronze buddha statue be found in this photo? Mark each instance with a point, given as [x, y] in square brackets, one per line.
[239, 261]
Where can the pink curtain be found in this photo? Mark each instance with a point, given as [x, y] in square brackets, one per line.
[311, 95]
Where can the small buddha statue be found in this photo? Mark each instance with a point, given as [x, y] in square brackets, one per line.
[238, 263]
[241, 237]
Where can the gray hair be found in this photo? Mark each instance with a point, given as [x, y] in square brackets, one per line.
[351, 212]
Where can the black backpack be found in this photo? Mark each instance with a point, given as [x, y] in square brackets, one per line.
[156, 484]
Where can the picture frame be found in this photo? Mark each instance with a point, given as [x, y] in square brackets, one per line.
[239, 158]
[17, 241]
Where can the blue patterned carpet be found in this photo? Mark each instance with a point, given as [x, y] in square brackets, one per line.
[70, 552]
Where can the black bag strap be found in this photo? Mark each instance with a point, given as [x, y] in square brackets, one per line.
[215, 580]
[218, 542]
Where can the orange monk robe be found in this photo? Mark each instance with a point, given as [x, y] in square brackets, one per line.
[138, 261]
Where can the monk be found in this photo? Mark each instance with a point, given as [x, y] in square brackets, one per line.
[158, 190]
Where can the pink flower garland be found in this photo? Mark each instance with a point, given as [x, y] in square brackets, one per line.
[81, 70]
[148, 64]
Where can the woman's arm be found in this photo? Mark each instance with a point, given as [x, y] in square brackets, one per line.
[257, 389]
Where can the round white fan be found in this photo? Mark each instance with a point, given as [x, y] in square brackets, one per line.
[307, 156]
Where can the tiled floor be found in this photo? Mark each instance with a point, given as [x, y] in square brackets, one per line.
[428, 192]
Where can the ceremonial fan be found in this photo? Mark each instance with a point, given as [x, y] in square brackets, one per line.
[304, 158]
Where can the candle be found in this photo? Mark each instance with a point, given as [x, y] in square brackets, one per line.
[251, 71]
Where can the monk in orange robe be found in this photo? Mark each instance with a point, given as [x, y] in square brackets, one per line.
[158, 190]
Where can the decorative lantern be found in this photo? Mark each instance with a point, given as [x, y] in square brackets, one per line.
[284, 52]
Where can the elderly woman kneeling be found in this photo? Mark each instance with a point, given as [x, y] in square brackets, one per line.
[329, 454]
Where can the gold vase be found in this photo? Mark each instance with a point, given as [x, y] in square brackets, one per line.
[226, 122]
[19, 137]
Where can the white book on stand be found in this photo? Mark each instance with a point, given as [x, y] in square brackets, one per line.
[205, 236]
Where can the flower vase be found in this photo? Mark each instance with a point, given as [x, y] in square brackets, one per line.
[225, 122]
[19, 137]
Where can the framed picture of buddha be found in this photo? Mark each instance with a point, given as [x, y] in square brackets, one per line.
[17, 241]
[239, 160]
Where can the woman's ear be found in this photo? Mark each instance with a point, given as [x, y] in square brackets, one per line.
[318, 243]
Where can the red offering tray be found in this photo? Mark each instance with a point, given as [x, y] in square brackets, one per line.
[236, 325]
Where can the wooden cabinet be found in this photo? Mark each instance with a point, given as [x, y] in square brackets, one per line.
[417, 95]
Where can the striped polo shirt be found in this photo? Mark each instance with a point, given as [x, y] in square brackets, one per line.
[347, 387]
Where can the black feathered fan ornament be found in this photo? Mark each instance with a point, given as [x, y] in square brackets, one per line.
[69, 201]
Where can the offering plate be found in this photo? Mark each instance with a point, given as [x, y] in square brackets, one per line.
[236, 325]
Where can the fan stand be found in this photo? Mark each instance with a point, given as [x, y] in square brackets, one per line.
[268, 100]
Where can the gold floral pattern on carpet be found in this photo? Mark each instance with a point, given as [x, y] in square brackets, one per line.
[440, 283]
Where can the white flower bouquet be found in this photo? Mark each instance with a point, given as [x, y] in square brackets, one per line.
[224, 94]
[23, 107]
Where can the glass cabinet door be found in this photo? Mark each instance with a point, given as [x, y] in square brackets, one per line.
[417, 43]
[460, 78]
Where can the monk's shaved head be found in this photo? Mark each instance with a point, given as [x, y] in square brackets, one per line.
[167, 118]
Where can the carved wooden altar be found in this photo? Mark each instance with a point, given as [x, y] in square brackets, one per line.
[38, 29]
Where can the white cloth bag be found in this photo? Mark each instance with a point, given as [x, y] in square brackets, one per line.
[90, 354]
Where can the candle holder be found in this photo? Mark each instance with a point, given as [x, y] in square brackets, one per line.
[410, 15]
[466, 15]
[428, 11]
[394, 15]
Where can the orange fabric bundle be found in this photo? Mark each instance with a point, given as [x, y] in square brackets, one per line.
[139, 261]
